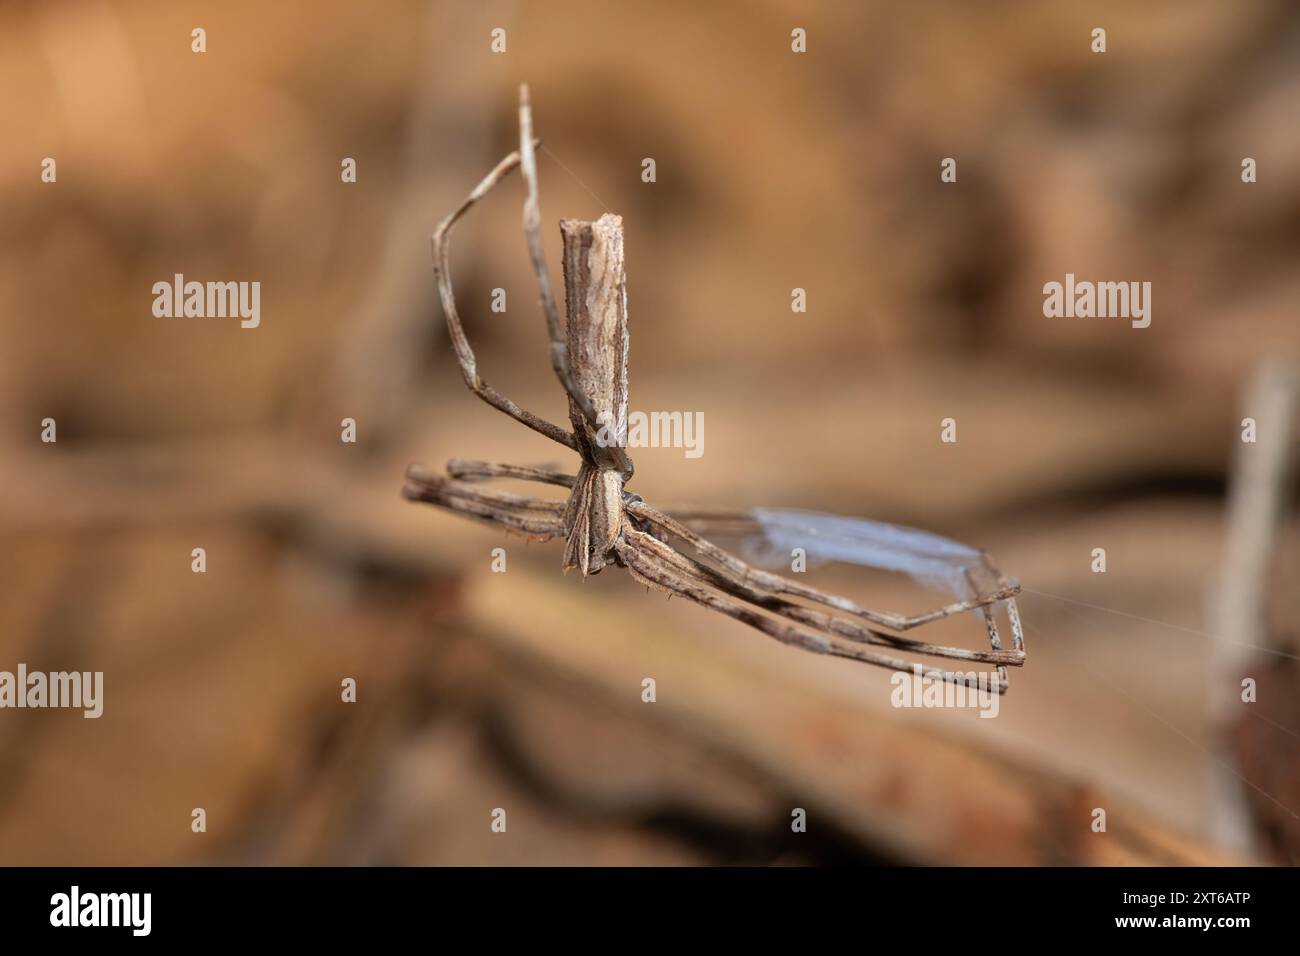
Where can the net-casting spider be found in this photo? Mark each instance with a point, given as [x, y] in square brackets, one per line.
[602, 523]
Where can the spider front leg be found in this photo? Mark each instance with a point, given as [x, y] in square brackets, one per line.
[839, 627]
[647, 562]
[743, 573]
[464, 354]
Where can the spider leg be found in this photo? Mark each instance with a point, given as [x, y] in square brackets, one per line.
[479, 470]
[1006, 591]
[850, 630]
[536, 518]
[465, 354]
[646, 564]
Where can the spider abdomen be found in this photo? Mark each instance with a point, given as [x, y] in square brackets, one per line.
[596, 340]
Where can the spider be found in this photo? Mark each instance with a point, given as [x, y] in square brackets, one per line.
[604, 524]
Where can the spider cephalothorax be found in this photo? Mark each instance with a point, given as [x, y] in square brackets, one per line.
[602, 523]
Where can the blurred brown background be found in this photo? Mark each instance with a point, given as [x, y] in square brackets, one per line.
[522, 690]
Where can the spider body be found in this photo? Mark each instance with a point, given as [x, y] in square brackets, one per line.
[603, 524]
